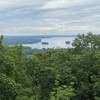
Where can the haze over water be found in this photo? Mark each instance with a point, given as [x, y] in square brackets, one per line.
[54, 42]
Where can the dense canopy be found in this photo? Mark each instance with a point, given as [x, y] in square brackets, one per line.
[51, 74]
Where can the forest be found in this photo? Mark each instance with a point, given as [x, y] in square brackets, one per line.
[52, 74]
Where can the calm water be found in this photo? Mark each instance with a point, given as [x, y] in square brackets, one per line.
[54, 42]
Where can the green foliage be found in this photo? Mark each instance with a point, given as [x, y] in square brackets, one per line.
[62, 93]
[52, 74]
[7, 88]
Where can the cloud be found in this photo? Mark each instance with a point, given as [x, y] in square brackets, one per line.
[51, 4]
[58, 4]
[19, 17]
[48, 27]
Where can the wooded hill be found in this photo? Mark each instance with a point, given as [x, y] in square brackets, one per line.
[56, 74]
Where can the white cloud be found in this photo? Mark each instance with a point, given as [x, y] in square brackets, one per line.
[49, 16]
[48, 26]
[51, 4]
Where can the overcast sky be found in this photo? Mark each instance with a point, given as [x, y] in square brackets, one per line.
[33, 17]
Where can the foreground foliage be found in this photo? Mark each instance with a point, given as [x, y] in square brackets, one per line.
[53, 74]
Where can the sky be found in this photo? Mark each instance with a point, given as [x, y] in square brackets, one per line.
[35, 17]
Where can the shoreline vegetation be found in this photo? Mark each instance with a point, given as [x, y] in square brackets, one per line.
[51, 74]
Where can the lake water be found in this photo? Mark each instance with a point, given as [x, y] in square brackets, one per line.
[53, 42]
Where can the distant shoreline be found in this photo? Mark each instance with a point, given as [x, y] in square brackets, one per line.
[11, 40]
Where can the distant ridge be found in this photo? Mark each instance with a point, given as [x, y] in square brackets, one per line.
[29, 39]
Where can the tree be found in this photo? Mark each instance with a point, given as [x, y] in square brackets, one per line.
[8, 90]
[47, 83]
[62, 93]
[1, 40]
[86, 67]
[86, 42]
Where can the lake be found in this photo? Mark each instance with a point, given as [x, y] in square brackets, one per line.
[53, 42]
